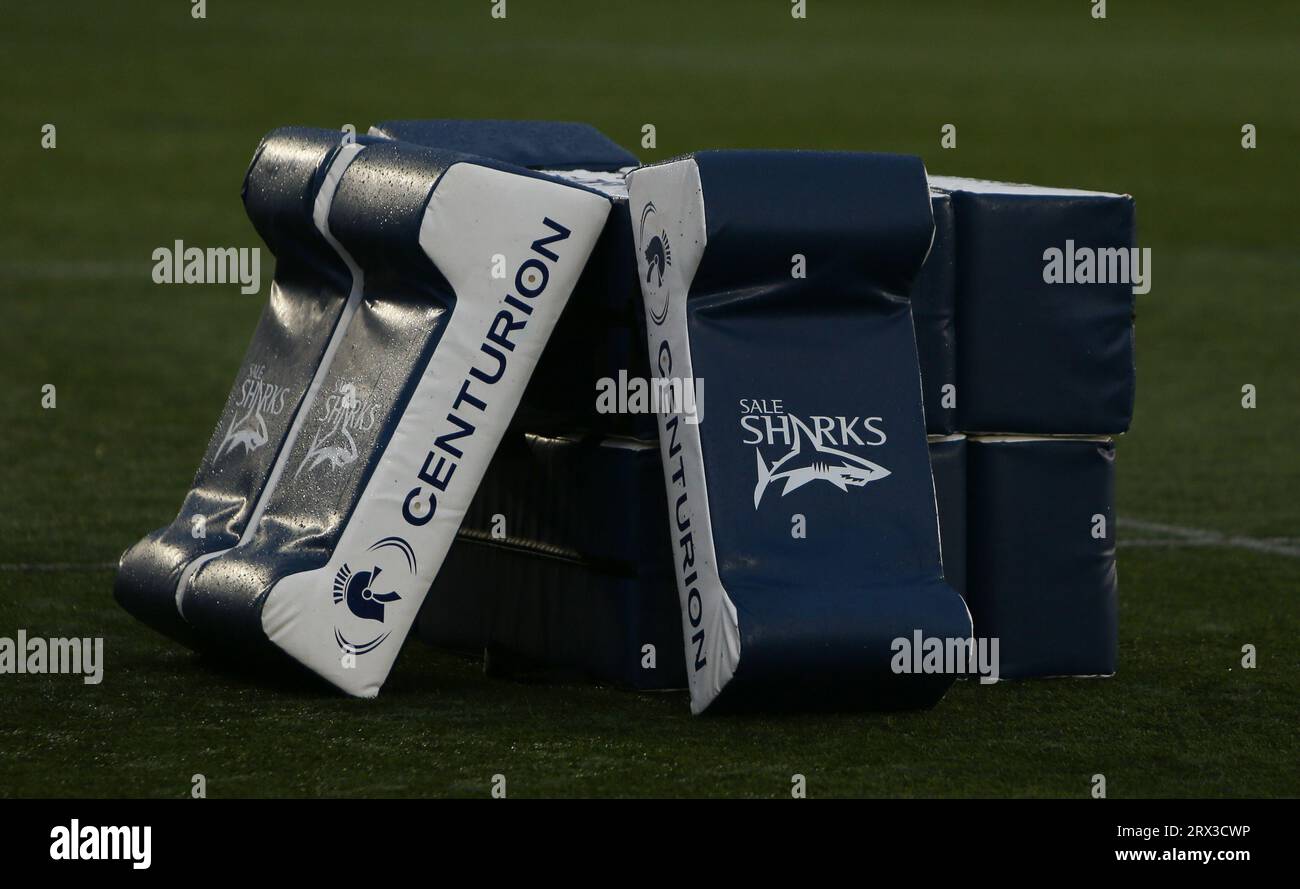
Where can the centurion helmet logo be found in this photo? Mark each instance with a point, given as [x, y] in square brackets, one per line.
[368, 592]
[652, 241]
[359, 591]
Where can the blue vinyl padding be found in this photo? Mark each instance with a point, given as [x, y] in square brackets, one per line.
[537, 144]
[556, 614]
[817, 615]
[597, 500]
[1040, 579]
[1036, 357]
[596, 589]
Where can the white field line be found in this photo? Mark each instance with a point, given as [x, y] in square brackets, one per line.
[82, 270]
[75, 270]
[1176, 535]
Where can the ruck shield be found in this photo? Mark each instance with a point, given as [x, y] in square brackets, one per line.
[424, 382]
[801, 502]
[287, 193]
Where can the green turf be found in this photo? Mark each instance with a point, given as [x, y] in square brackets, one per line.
[157, 116]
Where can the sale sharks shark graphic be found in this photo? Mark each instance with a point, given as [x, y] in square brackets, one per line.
[257, 399]
[341, 414]
[816, 449]
[247, 431]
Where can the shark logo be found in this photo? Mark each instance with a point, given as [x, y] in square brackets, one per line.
[254, 400]
[366, 595]
[247, 431]
[652, 240]
[332, 442]
[817, 462]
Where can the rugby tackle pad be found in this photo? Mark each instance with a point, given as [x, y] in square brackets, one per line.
[430, 369]
[1044, 287]
[800, 498]
[287, 193]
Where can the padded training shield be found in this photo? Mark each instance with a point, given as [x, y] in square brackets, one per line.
[430, 371]
[287, 193]
[1032, 356]
[802, 508]
[1042, 574]
[934, 312]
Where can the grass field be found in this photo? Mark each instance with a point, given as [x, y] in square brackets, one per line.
[157, 115]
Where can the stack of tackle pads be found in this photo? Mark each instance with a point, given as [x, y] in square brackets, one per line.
[739, 422]
[1046, 379]
[1043, 379]
[415, 289]
[1027, 374]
